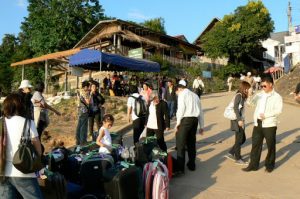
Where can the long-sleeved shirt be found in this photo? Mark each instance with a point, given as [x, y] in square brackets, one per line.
[270, 104]
[189, 105]
[198, 83]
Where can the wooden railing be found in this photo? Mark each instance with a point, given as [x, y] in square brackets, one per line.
[148, 56]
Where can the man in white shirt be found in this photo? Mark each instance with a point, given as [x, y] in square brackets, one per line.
[189, 120]
[138, 123]
[268, 108]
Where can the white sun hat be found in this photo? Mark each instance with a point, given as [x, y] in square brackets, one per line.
[25, 84]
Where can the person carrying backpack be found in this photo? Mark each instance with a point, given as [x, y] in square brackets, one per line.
[136, 112]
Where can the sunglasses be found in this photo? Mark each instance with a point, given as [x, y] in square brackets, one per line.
[264, 86]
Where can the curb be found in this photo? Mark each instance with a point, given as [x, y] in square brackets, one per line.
[290, 102]
[123, 130]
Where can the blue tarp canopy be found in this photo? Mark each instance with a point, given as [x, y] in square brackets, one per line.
[96, 60]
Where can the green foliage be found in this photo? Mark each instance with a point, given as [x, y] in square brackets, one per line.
[54, 25]
[51, 25]
[164, 65]
[224, 71]
[156, 24]
[215, 84]
[240, 33]
[32, 73]
[7, 49]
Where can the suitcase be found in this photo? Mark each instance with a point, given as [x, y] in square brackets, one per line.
[75, 191]
[73, 168]
[57, 160]
[143, 150]
[124, 184]
[156, 180]
[54, 186]
[92, 169]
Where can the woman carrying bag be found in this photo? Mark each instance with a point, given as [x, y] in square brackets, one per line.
[16, 181]
[41, 117]
[238, 125]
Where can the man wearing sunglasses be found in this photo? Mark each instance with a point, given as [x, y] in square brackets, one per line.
[268, 108]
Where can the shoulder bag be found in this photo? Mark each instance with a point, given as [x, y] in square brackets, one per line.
[229, 111]
[26, 158]
[3, 138]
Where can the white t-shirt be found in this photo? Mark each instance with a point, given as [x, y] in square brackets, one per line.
[131, 103]
[14, 131]
[152, 119]
[106, 139]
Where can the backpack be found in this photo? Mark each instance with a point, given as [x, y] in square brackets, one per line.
[140, 108]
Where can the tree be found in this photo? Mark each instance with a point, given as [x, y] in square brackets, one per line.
[54, 25]
[7, 49]
[239, 34]
[156, 24]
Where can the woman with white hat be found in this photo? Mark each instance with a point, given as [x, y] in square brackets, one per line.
[25, 93]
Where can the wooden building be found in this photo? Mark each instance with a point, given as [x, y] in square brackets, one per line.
[119, 37]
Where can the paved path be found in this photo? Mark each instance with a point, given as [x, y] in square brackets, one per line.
[217, 178]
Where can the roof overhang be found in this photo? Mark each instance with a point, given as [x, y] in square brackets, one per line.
[52, 56]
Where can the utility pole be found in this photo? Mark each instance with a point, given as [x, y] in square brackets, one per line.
[289, 14]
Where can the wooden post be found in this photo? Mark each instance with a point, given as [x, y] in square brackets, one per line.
[119, 43]
[77, 82]
[23, 71]
[90, 74]
[46, 76]
[66, 81]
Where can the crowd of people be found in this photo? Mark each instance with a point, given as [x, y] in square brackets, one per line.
[151, 105]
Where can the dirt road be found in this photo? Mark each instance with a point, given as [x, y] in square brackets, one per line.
[218, 178]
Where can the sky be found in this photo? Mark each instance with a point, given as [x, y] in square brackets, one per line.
[188, 17]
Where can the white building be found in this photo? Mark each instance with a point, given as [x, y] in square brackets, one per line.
[275, 46]
[292, 46]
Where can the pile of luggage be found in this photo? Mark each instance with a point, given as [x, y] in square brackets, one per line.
[140, 171]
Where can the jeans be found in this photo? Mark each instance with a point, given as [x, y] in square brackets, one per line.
[171, 107]
[186, 136]
[27, 187]
[95, 118]
[82, 128]
[240, 139]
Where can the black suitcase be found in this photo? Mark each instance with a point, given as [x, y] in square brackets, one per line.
[124, 184]
[143, 151]
[57, 160]
[54, 186]
[92, 169]
[73, 166]
[75, 191]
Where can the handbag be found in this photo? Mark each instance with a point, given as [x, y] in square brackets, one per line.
[26, 158]
[229, 111]
[199, 89]
[3, 138]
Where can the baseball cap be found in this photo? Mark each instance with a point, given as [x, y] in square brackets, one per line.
[182, 82]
